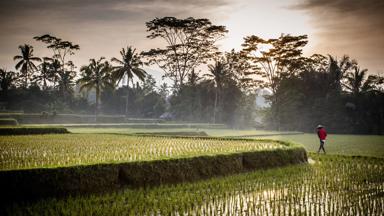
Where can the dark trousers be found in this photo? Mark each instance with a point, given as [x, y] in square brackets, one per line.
[321, 146]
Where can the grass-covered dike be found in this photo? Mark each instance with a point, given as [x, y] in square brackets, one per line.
[36, 183]
[25, 130]
[330, 185]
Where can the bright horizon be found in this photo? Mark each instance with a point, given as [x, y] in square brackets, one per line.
[103, 28]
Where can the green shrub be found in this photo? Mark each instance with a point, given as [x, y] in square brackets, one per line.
[8, 121]
[32, 130]
[38, 183]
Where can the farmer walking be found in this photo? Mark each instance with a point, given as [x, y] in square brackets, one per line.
[322, 134]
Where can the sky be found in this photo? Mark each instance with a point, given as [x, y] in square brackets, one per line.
[104, 27]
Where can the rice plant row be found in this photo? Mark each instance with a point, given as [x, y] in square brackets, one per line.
[36, 151]
[332, 186]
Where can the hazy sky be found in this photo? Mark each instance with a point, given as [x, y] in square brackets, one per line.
[103, 27]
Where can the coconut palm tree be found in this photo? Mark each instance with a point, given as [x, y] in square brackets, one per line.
[96, 75]
[26, 62]
[55, 68]
[219, 74]
[66, 82]
[355, 80]
[129, 66]
[338, 70]
[46, 74]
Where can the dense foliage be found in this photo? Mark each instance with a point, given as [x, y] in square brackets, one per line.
[208, 85]
[334, 93]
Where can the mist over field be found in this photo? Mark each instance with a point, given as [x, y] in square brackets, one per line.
[175, 107]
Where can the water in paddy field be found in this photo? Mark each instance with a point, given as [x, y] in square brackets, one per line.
[319, 189]
[330, 186]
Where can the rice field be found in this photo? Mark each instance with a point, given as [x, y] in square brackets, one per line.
[210, 132]
[58, 150]
[329, 185]
[341, 144]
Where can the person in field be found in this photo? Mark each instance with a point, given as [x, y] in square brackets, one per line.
[322, 134]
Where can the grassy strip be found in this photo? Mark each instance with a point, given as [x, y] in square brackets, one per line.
[58, 150]
[149, 125]
[181, 133]
[8, 121]
[31, 130]
[268, 134]
[50, 118]
[33, 184]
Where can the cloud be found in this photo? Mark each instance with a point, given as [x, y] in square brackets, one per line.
[353, 27]
[101, 27]
[105, 10]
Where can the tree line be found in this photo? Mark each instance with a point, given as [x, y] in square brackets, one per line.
[305, 91]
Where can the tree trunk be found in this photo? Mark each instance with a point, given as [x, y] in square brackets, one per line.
[127, 100]
[97, 101]
[215, 107]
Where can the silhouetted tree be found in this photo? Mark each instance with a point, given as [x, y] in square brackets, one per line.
[281, 57]
[7, 80]
[45, 73]
[26, 62]
[356, 81]
[60, 47]
[242, 71]
[338, 70]
[129, 66]
[55, 68]
[96, 75]
[219, 74]
[190, 42]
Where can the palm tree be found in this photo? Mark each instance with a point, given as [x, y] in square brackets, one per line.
[355, 80]
[65, 83]
[96, 75]
[129, 66]
[46, 73]
[338, 70]
[26, 61]
[55, 68]
[219, 74]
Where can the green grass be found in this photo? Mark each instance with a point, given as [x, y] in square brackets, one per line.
[333, 185]
[35, 151]
[364, 145]
[210, 132]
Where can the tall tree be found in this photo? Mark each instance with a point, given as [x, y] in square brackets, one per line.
[61, 48]
[26, 62]
[129, 66]
[355, 80]
[55, 68]
[189, 43]
[96, 75]
[66, 83]
[242, 71]
[277, 58]
[338, 69]
[219, 74]
[45, 73]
